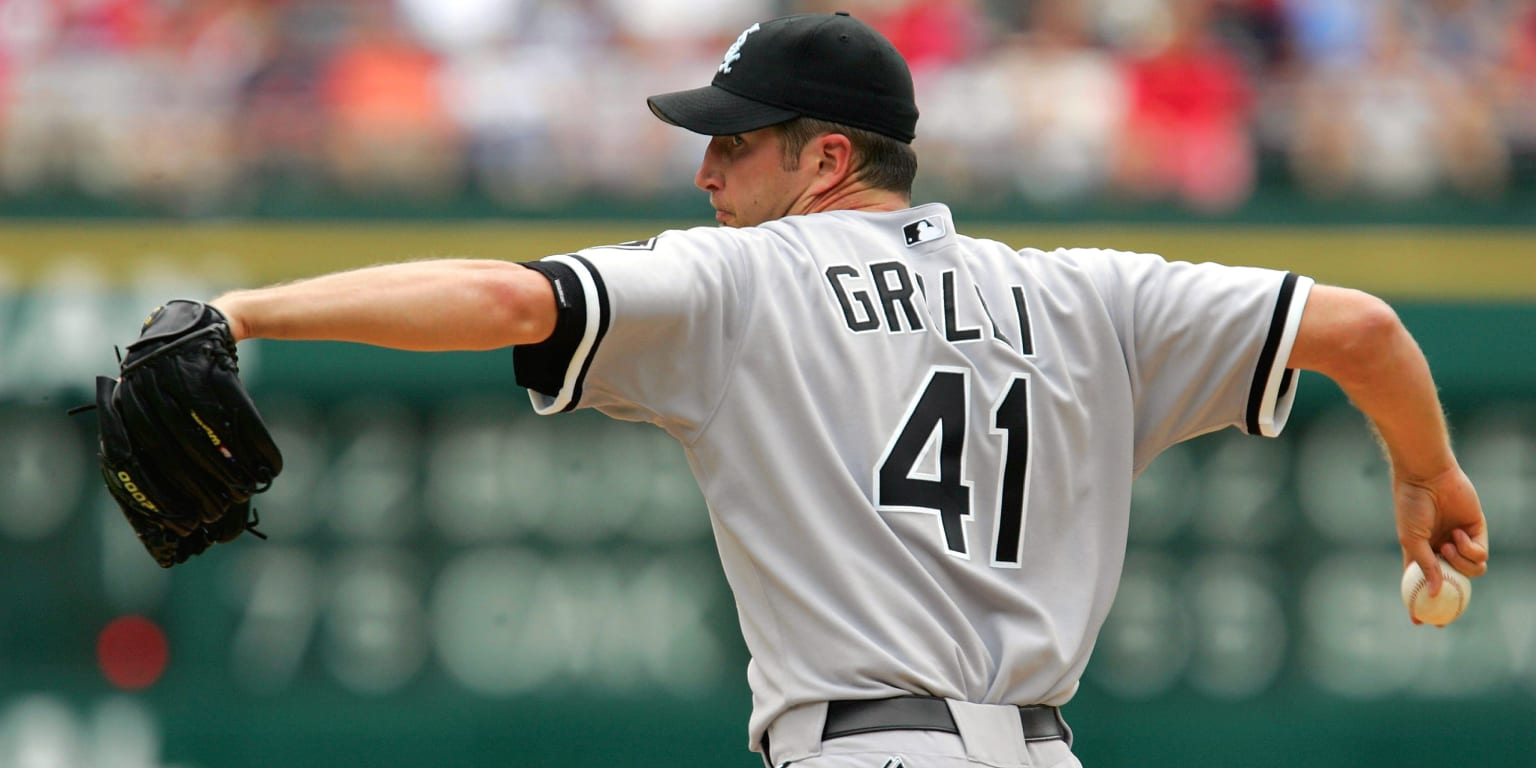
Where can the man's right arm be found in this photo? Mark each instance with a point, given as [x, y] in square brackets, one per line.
[436, 305]
[1358, 341]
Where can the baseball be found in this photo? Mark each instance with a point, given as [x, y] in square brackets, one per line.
[1455, 592]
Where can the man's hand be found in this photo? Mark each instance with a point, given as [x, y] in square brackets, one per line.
[1441, 515]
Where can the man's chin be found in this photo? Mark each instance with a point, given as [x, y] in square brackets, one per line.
[730, 220]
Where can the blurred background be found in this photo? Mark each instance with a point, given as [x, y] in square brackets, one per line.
[452, 581]
[316, 107]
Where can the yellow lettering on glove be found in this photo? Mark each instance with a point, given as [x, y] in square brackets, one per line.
[133, 490]
[213, 437]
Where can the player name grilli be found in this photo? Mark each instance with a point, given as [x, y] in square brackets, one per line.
[886, 295]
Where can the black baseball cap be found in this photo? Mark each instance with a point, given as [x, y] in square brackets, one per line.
[829, 66]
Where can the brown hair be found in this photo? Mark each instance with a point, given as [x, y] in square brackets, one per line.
[881, 161]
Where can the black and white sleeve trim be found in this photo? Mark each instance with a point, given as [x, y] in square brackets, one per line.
[555, 369]
[1274, 388]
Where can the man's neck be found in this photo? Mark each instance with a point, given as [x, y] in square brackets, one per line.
[857, 197]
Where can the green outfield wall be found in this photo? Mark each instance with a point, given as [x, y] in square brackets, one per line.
[453, 581]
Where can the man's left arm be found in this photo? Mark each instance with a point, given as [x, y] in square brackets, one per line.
[436, 305]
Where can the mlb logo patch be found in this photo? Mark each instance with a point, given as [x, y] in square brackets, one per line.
[923, 230]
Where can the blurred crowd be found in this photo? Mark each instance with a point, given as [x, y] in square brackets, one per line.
[198, 105]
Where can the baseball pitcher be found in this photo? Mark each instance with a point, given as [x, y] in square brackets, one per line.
[917, 447]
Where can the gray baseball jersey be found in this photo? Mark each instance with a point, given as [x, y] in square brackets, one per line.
[917, 447]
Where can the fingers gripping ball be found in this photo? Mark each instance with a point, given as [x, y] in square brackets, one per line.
[1442, 609]
[182, 447]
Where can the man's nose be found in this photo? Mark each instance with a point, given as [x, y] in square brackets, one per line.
[708, 177]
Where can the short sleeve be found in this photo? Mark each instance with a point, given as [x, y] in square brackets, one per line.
[647, 331]
[1206, 345]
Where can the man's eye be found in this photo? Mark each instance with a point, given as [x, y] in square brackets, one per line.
[737, 141]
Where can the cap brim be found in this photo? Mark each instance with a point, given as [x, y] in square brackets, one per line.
[714, 111]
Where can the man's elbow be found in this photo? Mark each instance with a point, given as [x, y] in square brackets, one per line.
[1364, 338]
[1368, 320]
[1355, 337]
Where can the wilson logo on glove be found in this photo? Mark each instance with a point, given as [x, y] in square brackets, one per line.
[213, 437]
[182, 447]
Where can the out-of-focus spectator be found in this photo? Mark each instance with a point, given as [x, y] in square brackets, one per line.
[1466, 37]
[78, 96]
[388, 129]
[1068, 102]
[1257, 31]
[519, 101]
[207, 106]
[185, 154]
[1131, 24]
[1186, 134]
[685, 22]
[1514, 82]
[646, 157]
[1331, 33]
[658, 45]
[934, 33]
[1463, 34]
[505, 97]
[931, 34]
[27, 30]
[279, 133]
[585, 27]
[964, 133]
[1397, 126]
[461, 26]
[110, 25]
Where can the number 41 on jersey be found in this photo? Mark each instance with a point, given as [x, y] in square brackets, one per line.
[936, 423]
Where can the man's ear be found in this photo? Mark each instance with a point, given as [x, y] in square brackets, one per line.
[832, 154]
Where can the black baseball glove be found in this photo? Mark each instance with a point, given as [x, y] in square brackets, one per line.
[182, 446]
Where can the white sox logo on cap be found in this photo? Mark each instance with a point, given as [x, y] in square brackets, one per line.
[828, 66]
[734, 52]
